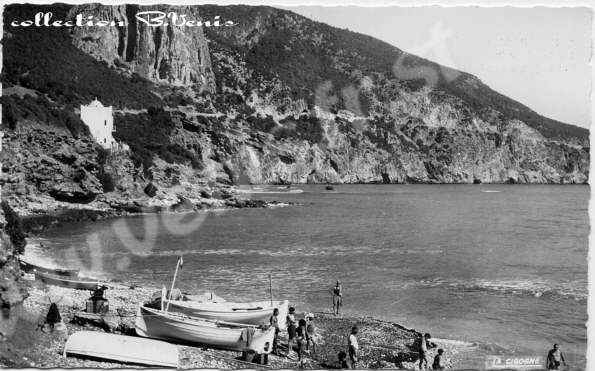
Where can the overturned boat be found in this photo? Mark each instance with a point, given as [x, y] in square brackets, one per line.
[253, 313]
[34, 268]
[121, 348]
[157, 324]
[77, 283]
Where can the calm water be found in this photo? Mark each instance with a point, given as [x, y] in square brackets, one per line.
[505, 266]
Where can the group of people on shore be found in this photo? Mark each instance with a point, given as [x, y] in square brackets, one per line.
[299, 333]
[302, 335]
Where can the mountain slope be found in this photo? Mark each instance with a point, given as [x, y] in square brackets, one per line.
[277, 98]
[303, 53]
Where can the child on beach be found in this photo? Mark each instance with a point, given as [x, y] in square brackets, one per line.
[342, 356]
[439, 361]
[353, 347]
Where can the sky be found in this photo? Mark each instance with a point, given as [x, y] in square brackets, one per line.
[538, 56]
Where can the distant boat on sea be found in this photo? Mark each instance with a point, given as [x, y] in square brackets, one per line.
[269, 189]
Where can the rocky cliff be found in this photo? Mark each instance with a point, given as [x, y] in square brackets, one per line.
[171, 54]
[277, 98]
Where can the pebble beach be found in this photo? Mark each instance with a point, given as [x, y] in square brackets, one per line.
[382, 344]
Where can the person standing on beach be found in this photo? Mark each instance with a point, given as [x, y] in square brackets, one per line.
[274, 320]
[291, 329]
[353, 347]
[439, 361]
[424, 344]
[337, 297]
[555, 358]
[302, 340]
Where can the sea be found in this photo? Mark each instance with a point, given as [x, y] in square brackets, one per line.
[503, 267]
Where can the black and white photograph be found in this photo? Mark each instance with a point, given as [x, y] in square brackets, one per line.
[295, 185]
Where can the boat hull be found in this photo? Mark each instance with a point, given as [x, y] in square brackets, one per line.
[32, 268]
[253, 313]
[156, 324]
[70, 283]
[127, 349]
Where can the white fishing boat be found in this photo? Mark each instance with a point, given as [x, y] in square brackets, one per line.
[158, 324]
[121, 348]
[253, 313]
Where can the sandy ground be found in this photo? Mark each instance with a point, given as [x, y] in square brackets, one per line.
[382, 344]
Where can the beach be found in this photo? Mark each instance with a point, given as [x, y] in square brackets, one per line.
[383, 344]
[406, 260]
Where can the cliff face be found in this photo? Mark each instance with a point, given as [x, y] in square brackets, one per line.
[277, 98]
[162, 54]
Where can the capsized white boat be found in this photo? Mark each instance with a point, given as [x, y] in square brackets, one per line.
[157, 324]
[253, 313]
[121, 348]
[77, 283]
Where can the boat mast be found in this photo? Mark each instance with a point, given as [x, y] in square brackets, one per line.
[172, 284]
[271, 288]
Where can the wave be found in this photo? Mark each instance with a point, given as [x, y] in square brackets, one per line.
[573, 290]
[490, 191]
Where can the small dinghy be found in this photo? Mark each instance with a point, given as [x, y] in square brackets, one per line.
[33, 268]
[253, 313]
[157, 324]
[77, 283]
[121, 348]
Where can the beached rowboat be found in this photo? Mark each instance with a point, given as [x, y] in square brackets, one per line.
[253, 313]
[32, 268]
[157, 324]
[127, 349]
[79, 283]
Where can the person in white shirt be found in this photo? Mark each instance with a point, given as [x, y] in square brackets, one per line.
[353, 347]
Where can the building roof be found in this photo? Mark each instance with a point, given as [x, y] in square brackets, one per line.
[95, 103]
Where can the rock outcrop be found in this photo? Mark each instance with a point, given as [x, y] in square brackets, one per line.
[177, 55]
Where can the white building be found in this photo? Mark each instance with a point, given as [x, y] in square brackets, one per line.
[100, 121]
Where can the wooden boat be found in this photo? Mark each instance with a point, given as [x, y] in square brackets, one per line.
[157, 324]
[253, 313]
[32, 268]
[78, 283]
[127, 349]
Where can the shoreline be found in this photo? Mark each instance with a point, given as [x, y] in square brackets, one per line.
[36, 222]
[383, 344]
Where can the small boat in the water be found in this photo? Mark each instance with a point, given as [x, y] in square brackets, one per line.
[32, 268]
[253, 313]
[157, 324]
[121, 348]
[78, 283]
[329, 187]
